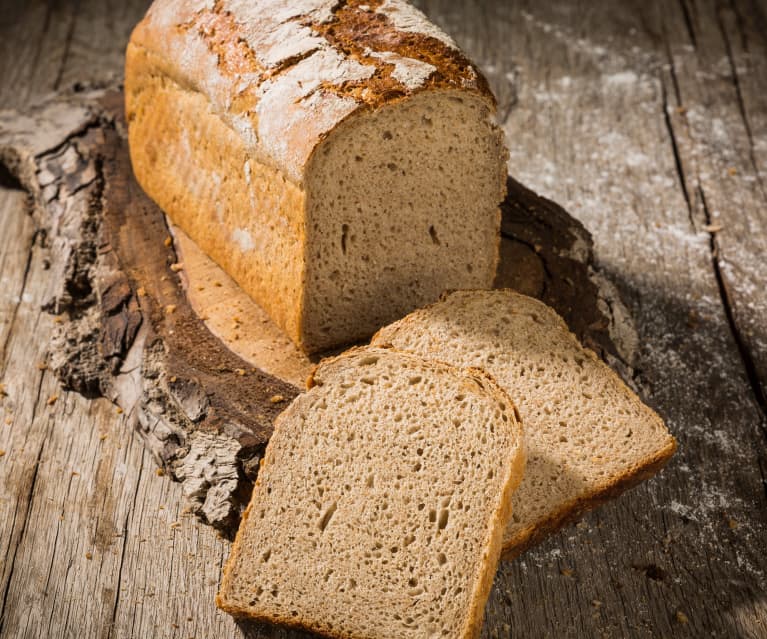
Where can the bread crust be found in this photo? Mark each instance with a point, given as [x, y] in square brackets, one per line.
[515, 545]
[574, 510]
[229, 51]
[211, 192]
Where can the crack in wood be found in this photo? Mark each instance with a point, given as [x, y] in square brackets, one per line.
[118, 581]
[763, 473]
[739, 95]
[672, 135]
[724, 294]
[688, 22]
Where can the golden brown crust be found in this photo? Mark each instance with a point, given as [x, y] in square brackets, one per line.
[211, 193]
[362, 32]
[358, 33]
[532, 536]
[206, 48]
[499, 520]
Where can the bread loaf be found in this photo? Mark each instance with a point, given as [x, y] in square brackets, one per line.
[380, 504]
[588, 436]
[338, 160]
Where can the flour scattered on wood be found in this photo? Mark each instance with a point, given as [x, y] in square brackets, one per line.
[621, 79]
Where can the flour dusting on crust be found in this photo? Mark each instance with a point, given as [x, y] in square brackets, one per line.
[408, 71]
[406, 17]
[284, 74]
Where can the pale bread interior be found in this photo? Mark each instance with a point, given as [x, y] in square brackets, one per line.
[381, 501]
[588, 436]
[402, 203]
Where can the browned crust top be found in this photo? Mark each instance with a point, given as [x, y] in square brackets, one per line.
[357, 31]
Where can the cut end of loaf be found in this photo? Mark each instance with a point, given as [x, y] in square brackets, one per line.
[589, 437]
[402, 203]
[381, 502]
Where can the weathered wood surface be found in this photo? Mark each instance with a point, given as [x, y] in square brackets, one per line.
[89, 543]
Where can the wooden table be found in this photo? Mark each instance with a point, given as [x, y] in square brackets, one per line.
[648, 122]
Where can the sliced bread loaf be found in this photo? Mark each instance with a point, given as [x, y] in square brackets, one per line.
[381, 502]
[588, 436]
[338, 159]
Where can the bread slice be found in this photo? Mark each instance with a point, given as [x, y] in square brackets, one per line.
[381, 501]
[588, 436]
[339, 160]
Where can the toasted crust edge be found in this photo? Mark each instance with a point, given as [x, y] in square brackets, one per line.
[498, 522]
[574, 510]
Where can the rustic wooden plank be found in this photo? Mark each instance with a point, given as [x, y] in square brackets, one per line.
[97, 41]
[171, 569]
[18, 397]
[589, 131]
[67, 562]
[720, 124]
[28, 410]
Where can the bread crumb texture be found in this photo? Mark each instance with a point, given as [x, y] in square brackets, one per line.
[380, 504]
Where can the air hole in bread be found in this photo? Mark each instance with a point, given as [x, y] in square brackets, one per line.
[344, 235]
[325, 519]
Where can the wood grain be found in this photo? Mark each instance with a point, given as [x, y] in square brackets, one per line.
[587, 126]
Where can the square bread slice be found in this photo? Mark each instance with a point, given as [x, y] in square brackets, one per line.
[381, 501]
[588, 436]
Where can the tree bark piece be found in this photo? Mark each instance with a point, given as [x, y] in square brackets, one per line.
[136, 327]
[129, 333]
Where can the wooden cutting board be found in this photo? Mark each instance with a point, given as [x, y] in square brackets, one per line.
[150, 322]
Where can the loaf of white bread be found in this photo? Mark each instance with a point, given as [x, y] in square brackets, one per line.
[589, 437]
[338, 159]
[381, 502]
